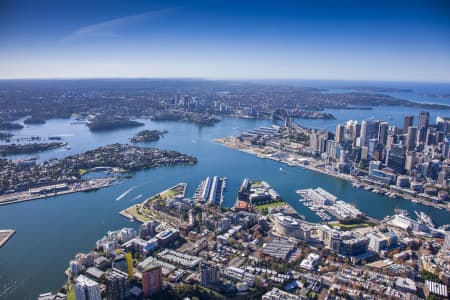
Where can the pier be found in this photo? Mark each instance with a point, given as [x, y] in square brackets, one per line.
[211, 190]
[56, 190]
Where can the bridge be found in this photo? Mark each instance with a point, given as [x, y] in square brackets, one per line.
[282, 115]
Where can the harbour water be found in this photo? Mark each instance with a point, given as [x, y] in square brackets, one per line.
[49, 232]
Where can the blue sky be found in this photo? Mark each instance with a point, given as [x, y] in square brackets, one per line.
[367, 40]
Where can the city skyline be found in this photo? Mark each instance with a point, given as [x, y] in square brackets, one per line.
[405, 41]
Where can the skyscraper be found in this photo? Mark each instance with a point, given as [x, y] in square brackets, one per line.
[422, 126]
[412, 138]
[396, 158]
[151, 280]
[443, 124]
[408, 122]
[369, 130]
[383, 133]
[340, 131]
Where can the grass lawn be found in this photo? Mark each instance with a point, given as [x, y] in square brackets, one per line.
[133, 212]
[348, 227]
[71, 293]
[279, 203]
[83, 171]
[169, 194]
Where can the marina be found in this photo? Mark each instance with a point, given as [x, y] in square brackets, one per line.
[323, 202]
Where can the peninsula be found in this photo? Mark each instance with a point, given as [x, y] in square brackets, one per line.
[31, 180]
[28, 148]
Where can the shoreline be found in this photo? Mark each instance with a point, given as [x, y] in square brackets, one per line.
[137, 216]
[83, 186]
[226, 142]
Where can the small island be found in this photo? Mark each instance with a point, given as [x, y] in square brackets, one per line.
[101, 123]
[147, 136]
[28, 148]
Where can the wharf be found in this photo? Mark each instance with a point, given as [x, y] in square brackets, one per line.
[56, 190]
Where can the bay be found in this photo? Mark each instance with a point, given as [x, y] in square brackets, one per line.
[51, 231]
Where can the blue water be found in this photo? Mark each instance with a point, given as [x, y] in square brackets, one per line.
[51, 231]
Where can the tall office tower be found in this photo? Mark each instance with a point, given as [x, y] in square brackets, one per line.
[151, 280]
[369, 130]
[431, 137]
[340, 131]
[412, 138]
[86, 289]
[407, 122]
[356, 133]
[117, 285]
[364, 153]
[443, 124]
[396, 158]
[422, 126]
[383, 133]
[209, 274]
[314, 143]
[410, 160]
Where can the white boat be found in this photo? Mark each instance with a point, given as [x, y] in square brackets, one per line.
[424, 218]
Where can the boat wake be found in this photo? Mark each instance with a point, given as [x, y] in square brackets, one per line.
[125, 193]
[137, 197]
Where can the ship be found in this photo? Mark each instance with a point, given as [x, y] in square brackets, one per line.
[424, 219]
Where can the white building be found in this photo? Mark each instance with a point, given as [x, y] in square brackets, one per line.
[86, 289]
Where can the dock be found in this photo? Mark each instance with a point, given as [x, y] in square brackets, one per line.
[211, 190]
[56, 190]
